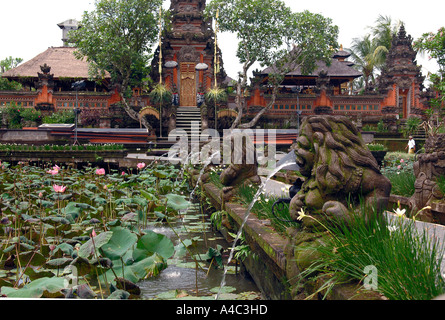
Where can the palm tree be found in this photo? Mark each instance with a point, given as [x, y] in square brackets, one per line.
[369, 53]
[366, 55]
[384, 31]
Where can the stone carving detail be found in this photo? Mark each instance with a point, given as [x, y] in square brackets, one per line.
[242, 171]
[427, 169]
[401, 67]
[45, 78]
[338, 168]
[188, 54]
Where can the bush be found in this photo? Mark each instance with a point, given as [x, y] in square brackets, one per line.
[398, 168]
[63, 117]
[376, 147]
[30, 114]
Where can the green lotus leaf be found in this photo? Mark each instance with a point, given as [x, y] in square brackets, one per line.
[47, 287]
[90, 247]
[177, 202]
[59, 263]
[31, 257]
[119, 295]
[82, 265]
[160, 174]
[152, 243]
[147, 195]
[149, 267]
[65, 248]
[34, 274]
[32, 293]
[120, 242]
[56, 219]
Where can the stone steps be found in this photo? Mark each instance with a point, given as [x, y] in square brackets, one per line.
[189, 120]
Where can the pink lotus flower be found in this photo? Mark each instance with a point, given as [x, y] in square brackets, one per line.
[123, 173]
[141, 165]
[54, 171]
[399, 167]
[93, 234]
[402, 161]
[100, 172]
[59, 189]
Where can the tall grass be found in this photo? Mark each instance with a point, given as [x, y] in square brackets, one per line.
[402, 183]
[281, 220]
[398, 169]
[408, 262]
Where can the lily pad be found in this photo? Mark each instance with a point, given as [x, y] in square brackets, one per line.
[94, 244]
[59, 263]
[43, 287]
[225, 289]
[120, 242]
[177, 202]
[31, 257]
[151, 243]
[119, 295]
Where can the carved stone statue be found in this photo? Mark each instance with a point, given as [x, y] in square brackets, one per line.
[243, 170]
[339, 170]
[429, 167]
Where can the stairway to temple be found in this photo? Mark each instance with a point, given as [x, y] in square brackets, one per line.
[185, 117]
[420, 133]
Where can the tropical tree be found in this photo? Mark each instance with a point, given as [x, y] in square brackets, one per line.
[369, 52]
[270, 34]
[434, 45]
[384, 31]
[5, 65]
[118, 37]
[366, 55]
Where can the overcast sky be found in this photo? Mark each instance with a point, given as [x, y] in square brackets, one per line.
[29, 27]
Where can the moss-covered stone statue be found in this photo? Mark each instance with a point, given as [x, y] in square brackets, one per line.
[338, 167]
[243, 167]
[340, 172]
[428, 168]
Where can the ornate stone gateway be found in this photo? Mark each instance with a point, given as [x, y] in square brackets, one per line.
[188, 84]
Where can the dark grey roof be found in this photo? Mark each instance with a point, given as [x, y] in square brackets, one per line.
[336, 69]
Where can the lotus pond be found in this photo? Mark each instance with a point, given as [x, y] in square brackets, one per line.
[96, 234]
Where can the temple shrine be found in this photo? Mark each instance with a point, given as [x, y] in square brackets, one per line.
[189, 62]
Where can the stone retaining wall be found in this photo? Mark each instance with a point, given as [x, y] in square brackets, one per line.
[273, 266]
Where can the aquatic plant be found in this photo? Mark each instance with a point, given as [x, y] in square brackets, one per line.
[406, 261]
[64, 223]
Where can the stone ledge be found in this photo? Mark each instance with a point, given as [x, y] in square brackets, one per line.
[270, 247]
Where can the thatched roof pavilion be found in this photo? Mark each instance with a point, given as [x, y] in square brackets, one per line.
[65, 68]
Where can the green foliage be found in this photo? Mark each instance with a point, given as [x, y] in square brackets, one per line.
[215, 95]
[5, 65]
[369, 52]
[376, 147]
[16, 115]
[30, 114]
[412, 125]
[161, 95]
[403, 257]
[63, 117]
[117, 37]
[434, 45]
[398, 168]
[270, 34]
[441, 183]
